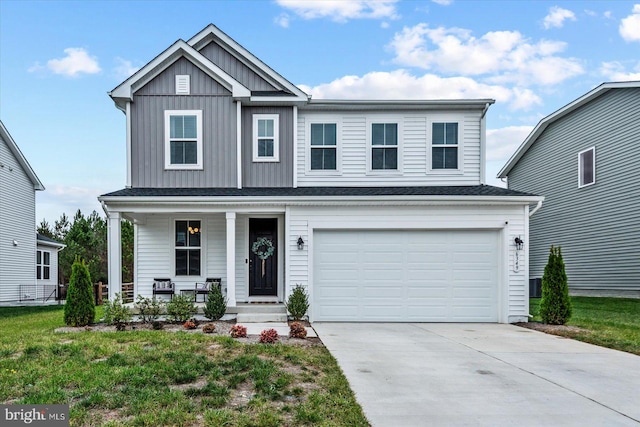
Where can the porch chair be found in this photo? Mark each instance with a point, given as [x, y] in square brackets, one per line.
[163, 286]
[204, 288]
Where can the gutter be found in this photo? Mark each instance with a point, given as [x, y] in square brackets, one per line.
[104, 208]
[538, 206]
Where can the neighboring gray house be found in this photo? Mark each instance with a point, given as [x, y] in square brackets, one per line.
[18, 186]
[378, 208]
[584, 160]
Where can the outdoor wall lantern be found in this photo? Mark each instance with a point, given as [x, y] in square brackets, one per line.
[300, 243]
[519, 243]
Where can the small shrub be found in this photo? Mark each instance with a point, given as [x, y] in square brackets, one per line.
[149, 308]
[216, 305]
[156, 325]
[209, 328]
[189, 324]
[269, 336]
[297, 330]
[298, 302]
[115, 313]
[181, 308]
[238, 331]
[79, 309]
[555, 305]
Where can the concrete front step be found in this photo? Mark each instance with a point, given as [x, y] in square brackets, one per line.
[243, 318]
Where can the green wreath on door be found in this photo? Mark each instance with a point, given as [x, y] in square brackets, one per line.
[263, 248]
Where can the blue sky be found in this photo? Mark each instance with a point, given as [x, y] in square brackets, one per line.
[58, 60]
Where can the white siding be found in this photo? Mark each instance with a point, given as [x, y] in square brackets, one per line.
[17, 222]
[155, 253]
[414, 162]
[508, 220]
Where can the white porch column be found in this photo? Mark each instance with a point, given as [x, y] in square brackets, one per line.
[114, 249]
[231, 259]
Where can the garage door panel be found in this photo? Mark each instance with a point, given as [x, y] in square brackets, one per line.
[421, 276]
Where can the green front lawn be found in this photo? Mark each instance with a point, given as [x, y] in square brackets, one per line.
[156, 378]
[608, 322]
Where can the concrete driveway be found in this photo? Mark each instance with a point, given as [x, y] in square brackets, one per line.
[425, 374]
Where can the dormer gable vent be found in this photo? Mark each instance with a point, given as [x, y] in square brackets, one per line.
[183, 84]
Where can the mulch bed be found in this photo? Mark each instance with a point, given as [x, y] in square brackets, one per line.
[560, 330]
[222, 329]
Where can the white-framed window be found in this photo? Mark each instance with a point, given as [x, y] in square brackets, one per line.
[183, 139]
[587, 167]
[43, 265]
[384, 146]
[444, 145]
[323, 148]
[266, 138]
[188, 247]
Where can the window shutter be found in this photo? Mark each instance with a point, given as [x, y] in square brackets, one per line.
[183, 84]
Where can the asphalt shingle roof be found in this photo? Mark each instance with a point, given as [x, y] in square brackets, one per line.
[471, 190]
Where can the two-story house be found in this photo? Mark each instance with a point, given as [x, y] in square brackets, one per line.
[18, 186]
[582, 158]
[378, 208]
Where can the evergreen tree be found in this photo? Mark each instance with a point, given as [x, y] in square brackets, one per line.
[44, 229]
[216, 305]
[555, 305]
[79, 309]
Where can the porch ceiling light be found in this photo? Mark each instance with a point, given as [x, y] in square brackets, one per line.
[519, 243]
[300, 243]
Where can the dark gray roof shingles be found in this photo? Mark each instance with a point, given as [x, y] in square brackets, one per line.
[471, 190]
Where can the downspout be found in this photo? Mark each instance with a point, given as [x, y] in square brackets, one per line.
[483, 144]
[538, 206]
[104, 208]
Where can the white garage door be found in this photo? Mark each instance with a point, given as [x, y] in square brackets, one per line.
[406, 276]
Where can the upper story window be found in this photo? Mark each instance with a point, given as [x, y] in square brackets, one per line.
[587, 167]
[323, 146]
[384, 146]
[43, 265]
[266, 138]
[183, 139]
[444, 146]
[187, 248]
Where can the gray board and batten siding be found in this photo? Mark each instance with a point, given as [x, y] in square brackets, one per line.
[268, 174]
[17, 222]
[597, 226]
[236, 69]
[147, 130]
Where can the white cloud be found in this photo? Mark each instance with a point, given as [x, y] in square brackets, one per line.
[503, 142]
[125, 68]
[384, 25]
[282, 20]
[616, 71]
[608, 14]
[443, 2]
[342, 10]
[400, 84]
[556, 17]
[630, 26]
[76, 62]
[59, 199]
[590, 12]
[504, 56]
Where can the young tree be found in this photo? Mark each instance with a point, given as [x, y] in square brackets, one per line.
[79, 309]
[555, 305]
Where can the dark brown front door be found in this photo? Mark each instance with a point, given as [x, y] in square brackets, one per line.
[263, 257]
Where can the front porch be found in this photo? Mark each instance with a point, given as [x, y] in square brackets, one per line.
[245, 250]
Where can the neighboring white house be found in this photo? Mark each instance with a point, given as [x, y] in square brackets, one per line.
[47, 265]
[18, 186]
[378, 207]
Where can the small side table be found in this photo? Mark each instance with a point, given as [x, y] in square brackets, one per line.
[190, 292]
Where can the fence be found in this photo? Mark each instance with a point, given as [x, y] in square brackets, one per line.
[37, 292]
